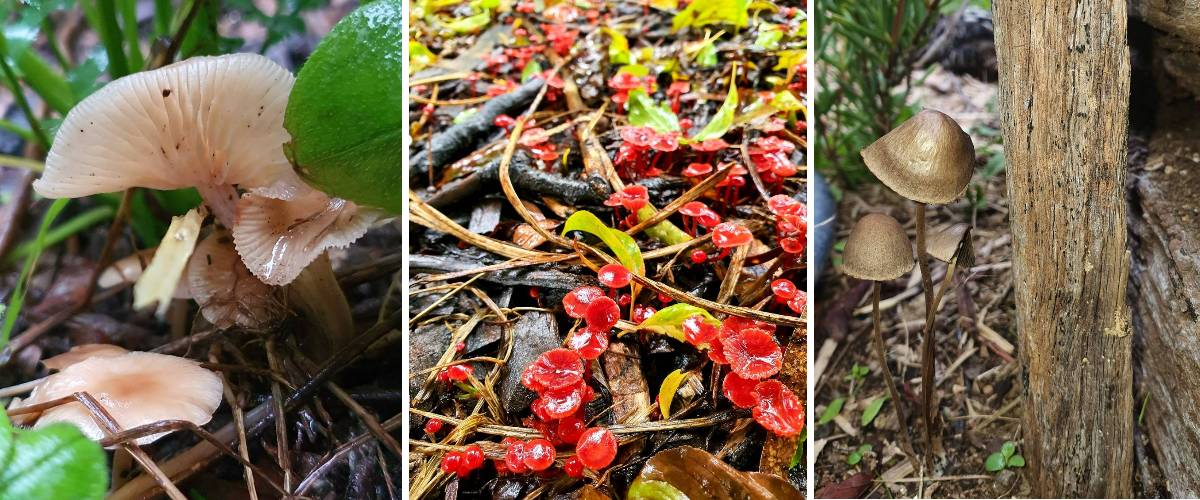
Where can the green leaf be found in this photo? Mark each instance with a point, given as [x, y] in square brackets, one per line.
[854, 458]
[798, 456]
[634, 69]
[994, 462]
[669, 320]
[464, 115]
[706, 57]
[618, 47]
[724, 118]
[705, 12]
[17, 298]
[664, 231]
[831, 412]
[419, 56]
[57, 461]
[872, 410]
[622, 245]
[1008, 449]
[769, 36]
[648, 489]
[345, 113]
[666, 392]
[1016, 461]
[643, 112]
[532, 69]
[470, 24]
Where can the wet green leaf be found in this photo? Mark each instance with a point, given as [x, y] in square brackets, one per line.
[664, 231]
[669, 320]
[721, 122]
[419, 56]
[654, 490]
[872, 410]
[345, 113]
[643, 112]
[622, 245]
[690, 473]
[831, 412]
[53, 462]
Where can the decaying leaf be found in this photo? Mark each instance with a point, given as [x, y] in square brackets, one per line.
[157, 284]
[692, 473]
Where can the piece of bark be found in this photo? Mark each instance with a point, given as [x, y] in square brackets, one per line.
[1064, 101]
[536, 332]
[1178, 17]
[630, 394]
[1165, 295]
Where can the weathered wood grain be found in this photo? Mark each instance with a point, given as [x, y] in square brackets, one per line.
[1064, 97]
[1177, 45]
[1165, 293]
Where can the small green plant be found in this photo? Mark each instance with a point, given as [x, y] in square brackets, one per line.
[872, 410]
[1006, 458]
[831, 411]
[858, 373]
[857, 455]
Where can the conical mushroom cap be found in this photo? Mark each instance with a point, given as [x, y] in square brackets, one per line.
[205, 121]
[137, 388]
[927, 159]
[950, 243]
[877, 250]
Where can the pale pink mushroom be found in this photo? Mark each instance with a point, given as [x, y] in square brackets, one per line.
[277, 239]
[82, 352]
[136, 388]
[213, 123]
[227, 293]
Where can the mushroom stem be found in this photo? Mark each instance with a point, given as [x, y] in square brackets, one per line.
[222, 201]
[927, 349]
[316, 292]
[943, 286]
[881, 352]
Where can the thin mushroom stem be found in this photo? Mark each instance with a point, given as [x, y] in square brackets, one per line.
[881, 352]
[927, 349]
[943, 286]
[222, 201]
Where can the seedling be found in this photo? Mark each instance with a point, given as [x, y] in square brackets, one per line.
[857, 455]
[872, 410]
[832, 411]
[857, 374]
[1006, 458]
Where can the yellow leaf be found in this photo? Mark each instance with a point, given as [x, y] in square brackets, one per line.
[161, 277]
[666, 393]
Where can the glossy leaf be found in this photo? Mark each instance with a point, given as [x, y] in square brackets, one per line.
[872, 410]
[686, 472]
[666, 392]
[57, 461]
[664, 231]
[643, 112]
[831, 412]
[419, 56]
[345, 113]
[721, 122]
[705, 12]
[622, 245]
[669, 320]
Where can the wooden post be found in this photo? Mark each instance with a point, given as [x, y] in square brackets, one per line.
[1064, 97]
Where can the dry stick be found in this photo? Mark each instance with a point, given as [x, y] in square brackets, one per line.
[732, 273]
[238, 422]
[881, 352]
[691, 194]
[110, 426]
[281, 435]
[927, 350]
[758, 182]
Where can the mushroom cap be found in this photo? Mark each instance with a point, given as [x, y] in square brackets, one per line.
[228, 295]
[82, 352]
[136, 388]
[278, 239]
[927, 159]
[878, 249]
[204, 121]
[951, 244]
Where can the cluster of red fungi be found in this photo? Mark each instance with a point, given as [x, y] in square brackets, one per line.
[560, 378]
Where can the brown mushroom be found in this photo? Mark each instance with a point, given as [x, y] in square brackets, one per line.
[927, 159]
[136, 388]
[227, 293]
[878, 250]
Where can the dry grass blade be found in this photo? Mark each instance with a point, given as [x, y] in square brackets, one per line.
[431, 218]
[692, 194]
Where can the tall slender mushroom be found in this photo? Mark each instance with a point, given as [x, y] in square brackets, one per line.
[929, 160]
[879, 250]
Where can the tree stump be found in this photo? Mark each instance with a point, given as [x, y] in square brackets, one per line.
[1165, 291]
[1064, 97]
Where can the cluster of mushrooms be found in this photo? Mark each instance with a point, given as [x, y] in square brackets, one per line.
[214, 124]
[928, 159]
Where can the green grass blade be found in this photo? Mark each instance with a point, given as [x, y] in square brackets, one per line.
[56, 235]
[129, 20]
[18, 295]
[111, 38]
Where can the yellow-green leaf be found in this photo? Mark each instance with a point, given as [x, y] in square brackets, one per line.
[666, 392]
[622, 245]
[470, 24]
[618, 47]
[705, 12]
[669, 320]
[789, 58]
[643, 112]
[664, 231]
[721, 122]
[419, 56]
